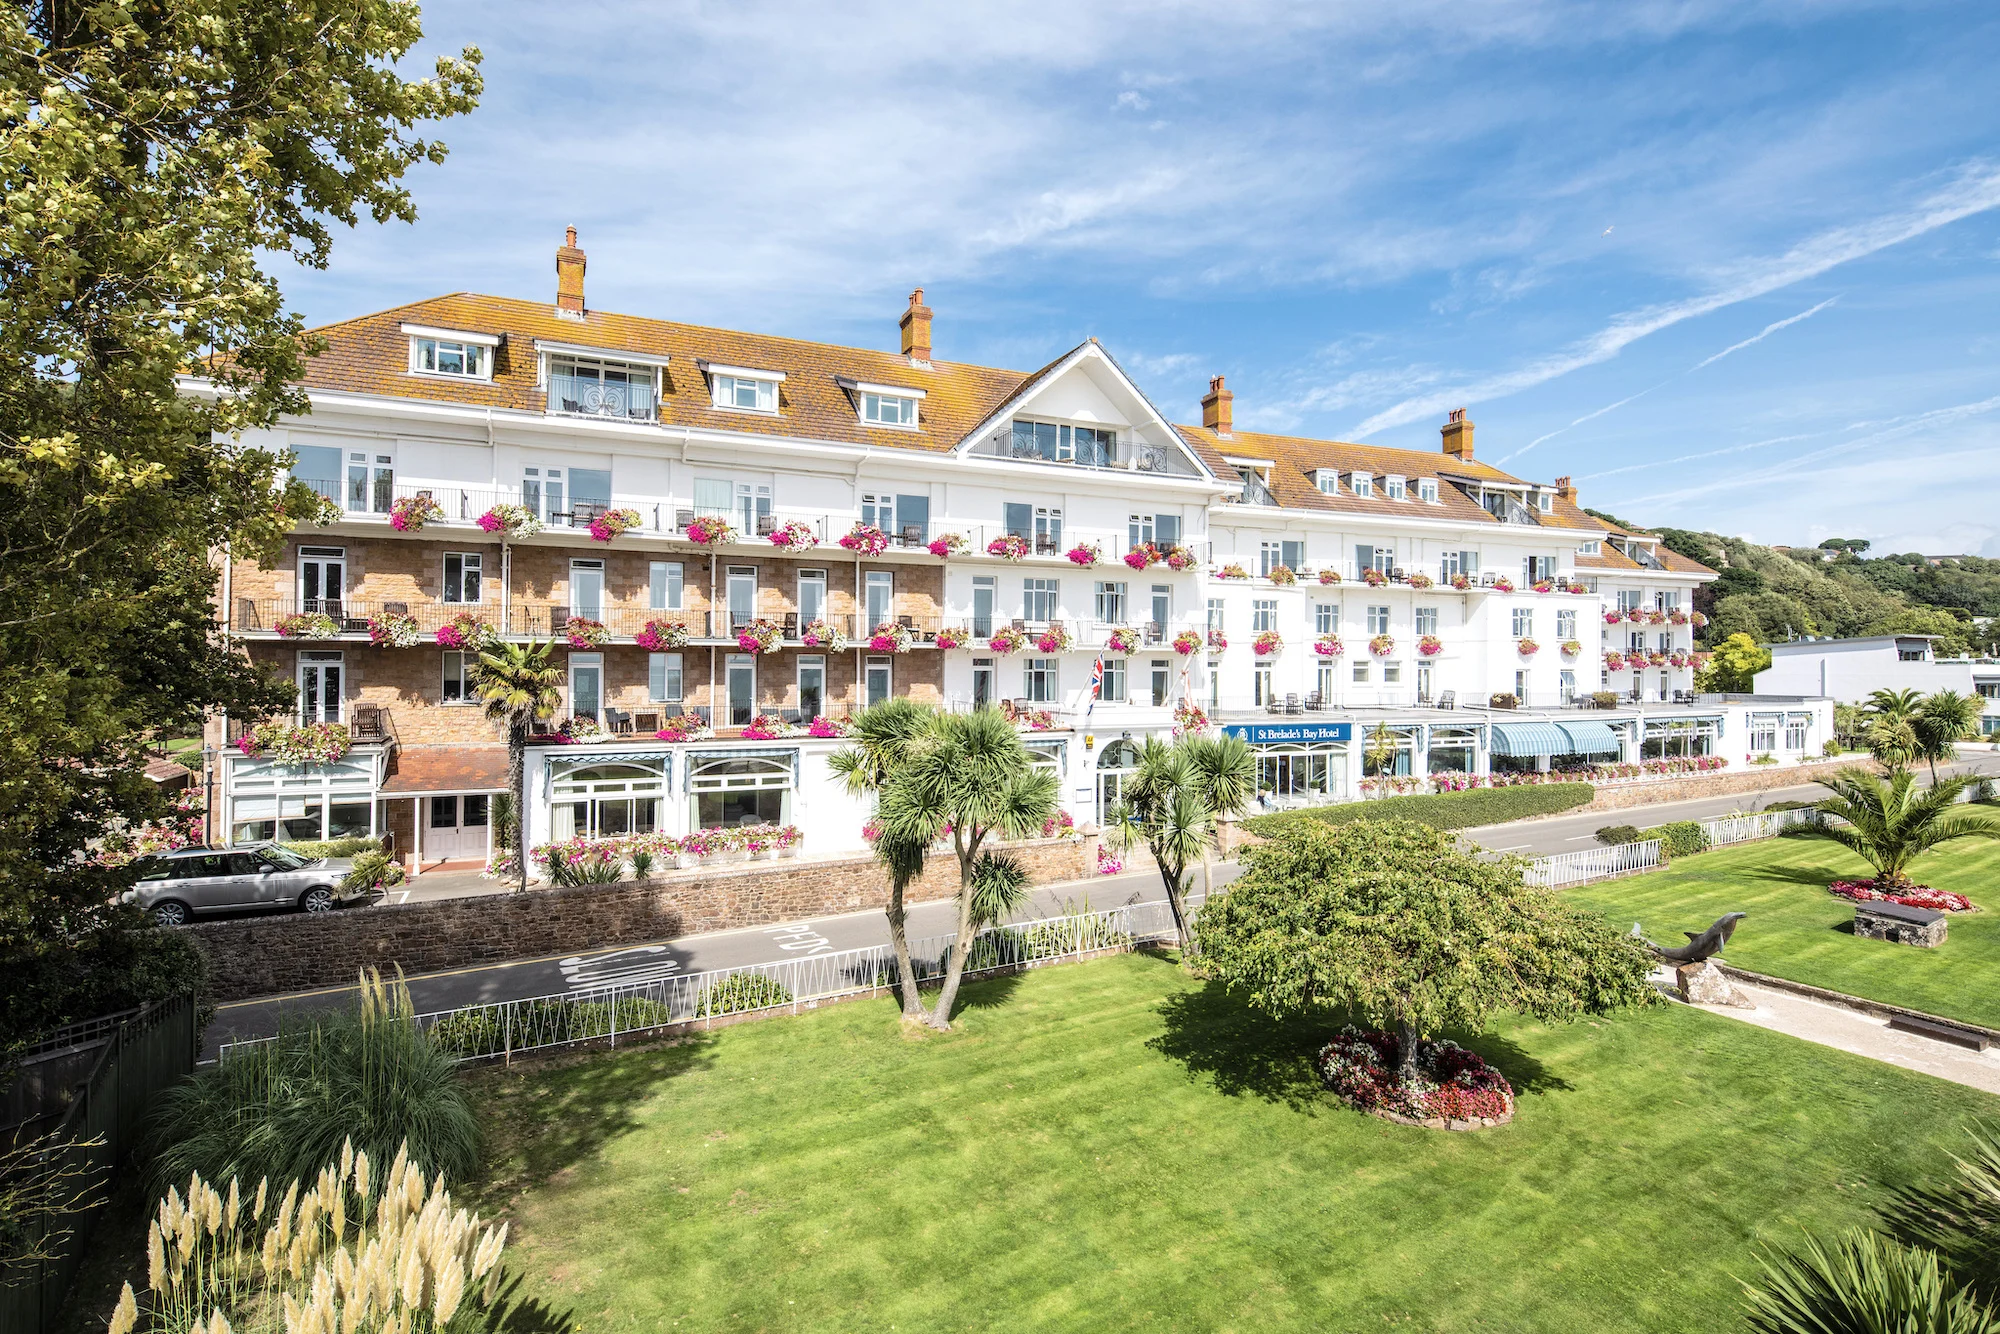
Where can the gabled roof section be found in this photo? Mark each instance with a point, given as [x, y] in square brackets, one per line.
[1614, 559]
[369, 355]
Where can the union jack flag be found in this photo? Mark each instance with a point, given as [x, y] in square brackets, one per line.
[1096, 683]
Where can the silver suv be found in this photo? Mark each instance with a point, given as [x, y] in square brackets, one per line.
[177, 885]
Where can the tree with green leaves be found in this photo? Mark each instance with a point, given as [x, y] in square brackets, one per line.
[886, 737]
[1892, 821]
[520, 687]
[1734, 666]
[1894, 705]
[150, 156]
[1175, 801]
[1942, 720]
[1412, 930]
[963, 776]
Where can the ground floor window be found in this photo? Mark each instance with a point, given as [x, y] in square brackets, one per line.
[877, 681]
[1301, 773]
[984, 690]
[1795, 733]
[1388, 751]
[1116, 764]
[607, 801]
[301, 804]
[740, 790]
[1260, 685]
[1676, 737]
[1763, 735]
[1452, 751]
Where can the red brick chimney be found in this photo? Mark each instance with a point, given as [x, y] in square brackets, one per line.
[1458, 436]
[917, 328]
[569, 275]
[1218, 412]
[1566, 489]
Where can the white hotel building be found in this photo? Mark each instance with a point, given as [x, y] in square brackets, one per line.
[1426, 601]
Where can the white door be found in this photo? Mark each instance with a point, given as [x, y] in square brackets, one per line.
[319, 687]
[322, 579]
[455, 827]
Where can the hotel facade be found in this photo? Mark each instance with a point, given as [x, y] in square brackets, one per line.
[737, 540]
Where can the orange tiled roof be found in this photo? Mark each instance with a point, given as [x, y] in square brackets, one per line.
[418, 769]
[1614, 559]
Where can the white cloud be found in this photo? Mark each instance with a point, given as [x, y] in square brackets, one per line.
[1765, 332]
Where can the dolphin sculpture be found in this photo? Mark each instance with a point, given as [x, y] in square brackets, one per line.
[1699, 947]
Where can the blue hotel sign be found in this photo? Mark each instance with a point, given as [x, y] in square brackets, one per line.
[1264, 734]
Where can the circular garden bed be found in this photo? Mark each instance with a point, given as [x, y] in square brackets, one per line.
[1454, 1089]
[1908, 893]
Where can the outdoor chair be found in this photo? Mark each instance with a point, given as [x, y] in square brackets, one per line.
[791, 625]
[766, 524]
[395, 609]
[1275, 706]
[1448, 700]
[793, 717]
[682, 519]
[617, 721]
[1314, 702]
[913, 535]
[1044, 545]
[1399, 575]
[672, 711]
[367, 723]
[645, 722]
[246, 615]
[1292, 704]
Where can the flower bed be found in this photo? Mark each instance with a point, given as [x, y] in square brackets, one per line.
[465, 631]
[510, 521]
[1012, 546]
[1267, 643]
[1187, 642]
[1059, 825]
[866, 539]
[659, 636]
[1910, 895]
[947, 545]
[307, 625]
[583, 632]
[611, 523]
[760, 637]
[1454, 1089]
[411, 513]
[795, 536]
[393, 631]
[1083, 553]
[820, 635]
[710, 530]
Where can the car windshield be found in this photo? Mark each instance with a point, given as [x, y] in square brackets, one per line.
[283, 858]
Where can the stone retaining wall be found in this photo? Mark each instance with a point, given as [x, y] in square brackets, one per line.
[1693, 787]
[265, 956]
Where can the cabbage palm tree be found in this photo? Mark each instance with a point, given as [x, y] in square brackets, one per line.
[1941, 720]
[1227, 771]
[1891, 822]
[520, 687]
[1176, 797]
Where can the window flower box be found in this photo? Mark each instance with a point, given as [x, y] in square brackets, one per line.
[1543, 586]
[1190, 719]
[1217, 641]
[393, 631]
[1267, 643]
[1007, 640]
[1462, 582]
[1421, 580]
[1373, 577]
[1140, 557]
[827, 729]
[1083, 553]
[1055, 639]
[1571, 647]
[583, 632]
[710, 530]
[1283, 576]
[685, 727]
[889, 638]
[795, 536]
[465, 631]
[510, 521]
[1503, 585]
[1232, 571]
[1186, 643]
[954, 637]
[411, 513]
[1329, 576]
[659, 636]
[764, 727]
[307, 625]
[1329, 646]
[1430, 646]
[1178, 558]
[820, 635]
[297, 744]
[865, 539]
[578, 727]
[1008, 546]
[1382, 645]
[1527, 648]
[759, 637]
[1613, 616]
[611, 523]
[1122, 639]
[947, 545]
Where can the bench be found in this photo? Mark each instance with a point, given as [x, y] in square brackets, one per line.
[1878, 919]
[1943, 1032]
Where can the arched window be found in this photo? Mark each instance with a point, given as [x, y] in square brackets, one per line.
[606, 800]
[1115, 765]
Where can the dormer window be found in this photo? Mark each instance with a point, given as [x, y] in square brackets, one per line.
[600, 388]
[1327, 480]
[451, 353]
[743, 390]
[1363, 484]
[1594, 547]
[1545, 501]
[884, 405]
[1395, 488]
[1427, 490]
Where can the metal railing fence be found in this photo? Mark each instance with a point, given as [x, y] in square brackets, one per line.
[1564, 869]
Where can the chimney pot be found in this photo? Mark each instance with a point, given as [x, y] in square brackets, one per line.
[916, 325]
[1458, 435]
[1218, 410]
[1566, 489]
[569, 276]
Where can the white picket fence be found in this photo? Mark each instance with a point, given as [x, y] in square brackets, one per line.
[1564, 869]
[1748, 828]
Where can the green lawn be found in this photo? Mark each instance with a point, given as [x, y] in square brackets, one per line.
[1115, 1146]
[1799, 931]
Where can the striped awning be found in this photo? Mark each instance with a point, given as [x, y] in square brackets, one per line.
[1590, 738]
[1529, 739]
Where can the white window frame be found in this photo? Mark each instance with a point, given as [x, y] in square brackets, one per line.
[467, 343]
[815, 662]
[465, 660]
[1363, 484]
[1326, 481]
[1427, 621]
[666, 678]
[1427, 490]
[1035, 666]
[1523, 623]
[723, 382]
[471, 562]
[666, 585]
[1594, 547]
[1113, 689]
[1395, 488]
[1378, 620]
[874, 400]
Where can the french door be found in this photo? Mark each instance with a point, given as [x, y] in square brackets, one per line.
[319, 687]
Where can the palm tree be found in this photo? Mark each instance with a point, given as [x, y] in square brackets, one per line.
[1176, 797]
[885, 740]
[1227, 771]
[1942, 719]
[1896, 705]
[520, 687]
[1893, 742]
[1892, 822]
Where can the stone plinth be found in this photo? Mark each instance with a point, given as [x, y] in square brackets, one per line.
[1705, 984]
[1879, 920]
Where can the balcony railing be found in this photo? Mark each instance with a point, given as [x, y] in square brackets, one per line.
[367, 725]
[349, 618]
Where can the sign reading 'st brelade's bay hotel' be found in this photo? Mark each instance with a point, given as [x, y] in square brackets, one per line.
[1265, 734]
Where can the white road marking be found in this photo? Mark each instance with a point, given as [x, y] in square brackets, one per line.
[801, 937]
[1579, 838]
[405, 898]
[1511, 847]
[619, 968]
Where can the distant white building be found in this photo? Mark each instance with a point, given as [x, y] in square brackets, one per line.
[1850, 670]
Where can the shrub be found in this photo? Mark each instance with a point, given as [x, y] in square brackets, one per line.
[372, 870]
[742, 991]
[1831, 748]
[281, 1109]
[336, 847]
[496, 1029]
[1790, 805]
[1604, 699]
[1445, 810]
[1680, 838]
[1618, 833]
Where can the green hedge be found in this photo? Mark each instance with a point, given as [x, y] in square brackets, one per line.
[1445, 810]
[335, 847]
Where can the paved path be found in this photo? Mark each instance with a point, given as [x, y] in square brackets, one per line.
[1864, 1035]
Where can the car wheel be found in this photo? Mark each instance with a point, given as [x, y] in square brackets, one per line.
[317, 899]
[169, 913]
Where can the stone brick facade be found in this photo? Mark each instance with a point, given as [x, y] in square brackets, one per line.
[1695, 786]
[265, 956]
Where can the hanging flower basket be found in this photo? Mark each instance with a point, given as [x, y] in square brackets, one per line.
[950, 544]
[411, 513]
[1656, 659]
[285, 743]
[1329, 646]
[611, 523]
[954, 636]
[795, 536]
[827, 729]
[580, 727]
[1083, 553]
[1186, 643]
[1036, 720]
[1329, 576]
[1677, 660]
[1421, 581]
[583, 632]
[1697, 620]
[1527, 647]
[393, 631]
[1178, 558]
[1613, 616]
[1503, 585]
[1571, 647]
[1010, 546]
[764, 727]
[1217, 641]
[466, 631]
[307, 625]
[1232, 571]
[1007, 640]
[1430, 646]
[1122, 639]
[659, 636]
[821, 635]
[1373, 577]
[1190, 719]
[510, 521]
[889, 638]
[1055, 639]
[1614, 662]
[1543, 585]
[1462, 582]
[1267, 643]
[1576, 588]
[759, 637]
[1140, 557]
[1656, 618]
[865, 539]
[682, 728]
[710, 530]
[1677, 617]
[1382, 645]
[322, 512]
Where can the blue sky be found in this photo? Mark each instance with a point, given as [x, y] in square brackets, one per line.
[1730, 265]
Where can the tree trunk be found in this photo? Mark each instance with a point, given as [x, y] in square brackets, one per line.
[517, 749]
[1172, 876]
[1407, 1042]
[906, 975]
[961, 947]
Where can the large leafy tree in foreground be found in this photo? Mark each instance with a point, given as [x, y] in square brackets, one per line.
[1399, 923]
[148, 154]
